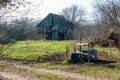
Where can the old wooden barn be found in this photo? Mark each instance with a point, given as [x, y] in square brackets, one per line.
[55, 27]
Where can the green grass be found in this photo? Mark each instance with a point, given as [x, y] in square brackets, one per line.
[37, 50]
[109, 51]
[34, 50]
[52, 66]
[108, 73]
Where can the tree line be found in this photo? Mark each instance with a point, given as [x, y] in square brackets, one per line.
[106, 14]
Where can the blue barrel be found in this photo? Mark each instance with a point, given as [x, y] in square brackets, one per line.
[74, 56]
[92, 52]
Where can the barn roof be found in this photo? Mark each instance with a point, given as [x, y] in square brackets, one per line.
[59, 19]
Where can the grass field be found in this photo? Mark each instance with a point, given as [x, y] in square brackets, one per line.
[34, 50]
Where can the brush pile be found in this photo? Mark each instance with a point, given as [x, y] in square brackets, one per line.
[112, 39]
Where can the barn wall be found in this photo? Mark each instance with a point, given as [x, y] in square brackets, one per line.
[49, 22]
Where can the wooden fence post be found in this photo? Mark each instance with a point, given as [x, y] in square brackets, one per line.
[67, 52]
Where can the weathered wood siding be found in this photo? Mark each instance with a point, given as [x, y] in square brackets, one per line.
[55, 27]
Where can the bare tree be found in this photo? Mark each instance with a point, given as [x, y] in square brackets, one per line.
[22, 28]
[88, 32]
[10, 3]
[6, 6]
[108, 11]
[75, 14]
[3, 31]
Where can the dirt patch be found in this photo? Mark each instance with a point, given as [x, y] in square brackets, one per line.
[106, 60]
[57, 58]
[103, 59]
[103, 56]
[12, 76]
[3, 78]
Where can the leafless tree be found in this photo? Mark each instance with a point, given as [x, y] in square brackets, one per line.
[6, 6]
[11, 3]
[75, 14]
[3, 31]
[88, 32]
[108, 12]
[22, 28]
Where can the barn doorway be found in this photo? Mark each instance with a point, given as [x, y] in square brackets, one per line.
[61, 36]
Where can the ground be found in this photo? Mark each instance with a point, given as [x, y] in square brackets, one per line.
[67, 75]
[106, 59]
[29, 60]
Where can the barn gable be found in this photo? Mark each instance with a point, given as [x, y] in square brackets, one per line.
[55, 27]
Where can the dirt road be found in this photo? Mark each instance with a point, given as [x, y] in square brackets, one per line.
[11, 76]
